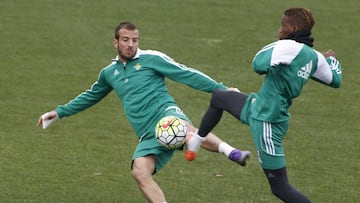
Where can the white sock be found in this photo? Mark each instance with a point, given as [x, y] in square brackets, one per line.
[225, 148]
[194, 143]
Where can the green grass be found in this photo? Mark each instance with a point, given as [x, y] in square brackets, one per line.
[52, 50]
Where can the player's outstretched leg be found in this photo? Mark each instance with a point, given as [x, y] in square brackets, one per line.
[193, 142]
[232, 102]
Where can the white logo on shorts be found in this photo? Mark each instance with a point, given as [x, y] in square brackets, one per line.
[177, 110]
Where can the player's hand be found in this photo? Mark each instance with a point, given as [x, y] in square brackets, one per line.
[47, 116]
[329, 53]
[233, 89]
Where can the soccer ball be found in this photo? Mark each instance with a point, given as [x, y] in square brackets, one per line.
[171, 132]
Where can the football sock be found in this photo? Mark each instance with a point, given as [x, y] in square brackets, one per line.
[225, 148]
[193, 144]
[281, 187]
[210, 120]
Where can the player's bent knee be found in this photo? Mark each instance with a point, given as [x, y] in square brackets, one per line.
[216, 96]
[143, 167]
[139, 175]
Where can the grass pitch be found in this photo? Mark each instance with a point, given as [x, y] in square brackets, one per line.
[52, 50]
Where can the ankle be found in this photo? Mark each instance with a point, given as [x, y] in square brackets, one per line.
[194, 142]
[225, 148]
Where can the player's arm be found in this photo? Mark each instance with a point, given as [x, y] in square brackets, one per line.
[329, 70]
[83, 101]
[275, 55]
[261, 62]
[87, 98]
[186, 75]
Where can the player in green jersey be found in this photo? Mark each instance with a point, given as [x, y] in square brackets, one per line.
[138, 78]
[287, 65]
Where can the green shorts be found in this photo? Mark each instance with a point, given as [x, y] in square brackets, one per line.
[268, 139]
[148, 145]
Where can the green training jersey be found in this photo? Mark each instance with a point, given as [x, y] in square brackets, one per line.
[140, 85]
[287, 66]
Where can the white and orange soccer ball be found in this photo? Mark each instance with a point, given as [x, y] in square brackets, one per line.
[170, 132]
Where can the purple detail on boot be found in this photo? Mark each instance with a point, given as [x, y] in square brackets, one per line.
[235, 155]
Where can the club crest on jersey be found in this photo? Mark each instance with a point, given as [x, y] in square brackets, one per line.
[137, 66]
[305, 71]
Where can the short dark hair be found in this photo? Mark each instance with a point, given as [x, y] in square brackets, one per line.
[302, 17]
[126, 25]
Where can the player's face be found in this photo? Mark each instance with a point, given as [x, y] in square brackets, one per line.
[127, 44]
[286, 27]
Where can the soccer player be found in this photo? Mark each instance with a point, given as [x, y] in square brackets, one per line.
[287, 65]
[138, 78]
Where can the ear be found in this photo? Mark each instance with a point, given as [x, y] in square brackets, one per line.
[295, 28]
[116, 43]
